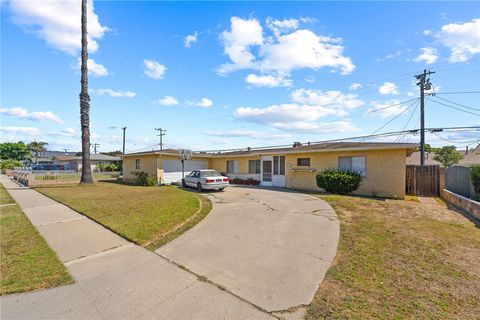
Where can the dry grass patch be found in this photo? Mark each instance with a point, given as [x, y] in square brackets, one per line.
[400, 260]
[148, 216]
[27, 262]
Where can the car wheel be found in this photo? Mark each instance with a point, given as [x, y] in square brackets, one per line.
[221, 189]
[184, 185]
[199, 187]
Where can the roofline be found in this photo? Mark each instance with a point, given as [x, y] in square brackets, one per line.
[406, 146]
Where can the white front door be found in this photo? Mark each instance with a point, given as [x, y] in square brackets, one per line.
[266, 171]
[278, 178]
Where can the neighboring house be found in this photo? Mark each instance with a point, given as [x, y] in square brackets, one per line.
[470, 157]
[75, 162]
[382, 165]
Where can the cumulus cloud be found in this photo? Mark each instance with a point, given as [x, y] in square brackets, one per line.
[355, 86]
[428, 55]
[153, 69]
[68, 132]
[268, 81]
[168, 101]
[191, 38]
[388, 88]
[30, 131]
[23, 113]
[331, 99]
[115, 93]
[94, 69]
[463, 39]
[58, 23]
[288, 49]
[384, 109]
[203, 103]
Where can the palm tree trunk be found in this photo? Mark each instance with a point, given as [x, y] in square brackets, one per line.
[85, 104]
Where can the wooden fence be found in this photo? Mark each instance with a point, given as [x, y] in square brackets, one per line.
[423, 180]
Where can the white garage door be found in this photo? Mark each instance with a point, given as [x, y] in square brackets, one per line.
[172, 169]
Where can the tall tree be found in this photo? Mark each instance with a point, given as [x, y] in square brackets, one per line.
[448, 156]
[37, 147]
[85, 104]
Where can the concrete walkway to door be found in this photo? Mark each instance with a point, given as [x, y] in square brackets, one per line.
[114, 279]
[270, 247]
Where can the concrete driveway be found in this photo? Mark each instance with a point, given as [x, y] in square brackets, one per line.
[268, 247]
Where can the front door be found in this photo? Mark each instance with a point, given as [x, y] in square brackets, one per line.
[267, 171]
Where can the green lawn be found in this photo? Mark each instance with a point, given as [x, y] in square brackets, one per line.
[400, 260]
[148, 216]
[27, 262]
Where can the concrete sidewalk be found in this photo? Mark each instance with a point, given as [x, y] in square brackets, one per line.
[115, 279]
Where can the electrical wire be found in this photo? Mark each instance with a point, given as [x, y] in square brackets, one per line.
[458, 104]
[399, 138]
[458, 92]
[446, 105]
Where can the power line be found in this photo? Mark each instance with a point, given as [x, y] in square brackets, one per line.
[161, 133]
[446, 105]
[458, 92]
[458, 104]
[408, 121]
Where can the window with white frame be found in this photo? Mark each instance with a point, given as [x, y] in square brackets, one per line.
[232, 166]
[137, 164]
[279, 165]
[254, 166]
[358, 164]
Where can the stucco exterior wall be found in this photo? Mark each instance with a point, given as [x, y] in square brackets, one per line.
[148, 163]
[220, 164]
[385, 174]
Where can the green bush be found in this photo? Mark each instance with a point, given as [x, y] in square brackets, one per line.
[10, 164]
[475, 177]
[108, 167]
[339, 181]
[144, 180]
[248, 181]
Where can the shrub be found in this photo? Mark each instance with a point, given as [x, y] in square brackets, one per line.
[339, 181]
[248, 181]
[475, 178]
[108, 167]
[10, 164]
[144, 180]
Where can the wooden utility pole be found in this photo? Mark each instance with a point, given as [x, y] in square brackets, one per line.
[95, 146]
[123, 148]
[424, 83]
[161, 133]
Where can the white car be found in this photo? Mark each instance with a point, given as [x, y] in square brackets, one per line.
[205, 179]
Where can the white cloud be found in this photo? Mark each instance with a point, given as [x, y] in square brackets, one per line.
[384, 110]
[191, 38]
[463, 39]
[248, 134]
[331, 99]
[268, 81]
[355, 86]
[389, 56]
[168, 101]
[115, 93]
[427, 32]
[282, 52]
[58, 23]
[95, 69]
[388, 88]
[319, 127]
[153, 69]
[31, 131]
[310, 79]
[68, 132]
[204, 103]
[23, 113]
[428, 54]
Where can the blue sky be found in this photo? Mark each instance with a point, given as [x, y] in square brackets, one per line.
[220, 75]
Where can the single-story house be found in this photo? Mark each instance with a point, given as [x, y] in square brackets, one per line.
[75, 162]
[382, 165]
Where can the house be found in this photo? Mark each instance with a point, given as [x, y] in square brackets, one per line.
[470, 157]
[382, 165]
[75, 162]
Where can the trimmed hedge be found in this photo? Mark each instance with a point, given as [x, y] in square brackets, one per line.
[339, 181]
[475, 177]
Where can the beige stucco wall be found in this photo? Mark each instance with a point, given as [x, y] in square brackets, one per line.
[220, 164]
[148, 164]
[385, 171]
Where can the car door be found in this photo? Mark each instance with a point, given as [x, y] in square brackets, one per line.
[190, 179]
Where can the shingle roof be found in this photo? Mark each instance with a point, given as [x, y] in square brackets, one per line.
[293, 149]
[94, 157]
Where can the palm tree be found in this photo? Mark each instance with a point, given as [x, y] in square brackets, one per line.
[85, 104]
[37, 147]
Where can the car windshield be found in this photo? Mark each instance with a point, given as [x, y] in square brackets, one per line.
[210, 173]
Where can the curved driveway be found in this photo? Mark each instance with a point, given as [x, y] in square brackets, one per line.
[268, 247]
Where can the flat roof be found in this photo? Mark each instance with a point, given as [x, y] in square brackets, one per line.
[298, 148]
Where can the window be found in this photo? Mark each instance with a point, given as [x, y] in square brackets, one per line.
[303, 162]
[353, 163]
[232, 166]
[137, 164]
[279, 165]
[253, 166]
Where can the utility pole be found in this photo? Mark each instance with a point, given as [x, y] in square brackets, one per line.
[66, 151]
[123, 149]
[424, 84]
[161, 133]
[95, 145]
